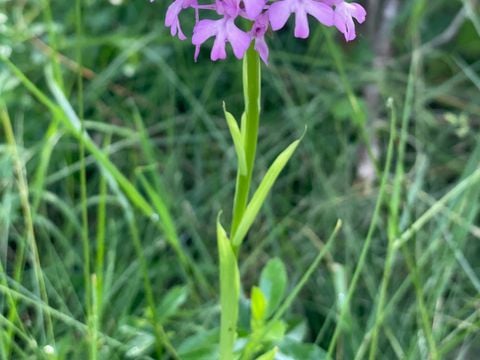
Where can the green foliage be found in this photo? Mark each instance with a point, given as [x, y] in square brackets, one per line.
[296, 350]
[259, 308]
[268, 355]
[159, 165]
[273, 282]
[229, 293]
[261, 193]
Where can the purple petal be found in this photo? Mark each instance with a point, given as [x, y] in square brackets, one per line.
[344, 15]
[172, 21]
[253, 8]
[302, 30]
[322, 12]
[218, 50]
[278, 13]
[358, 12]
[346, 26]
[172, 12]
[262, 48]
[204, 30]
[239, 40]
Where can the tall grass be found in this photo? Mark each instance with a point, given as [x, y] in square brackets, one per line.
[115, 160]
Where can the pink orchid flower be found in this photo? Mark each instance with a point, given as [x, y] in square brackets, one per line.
[280, 11]
[344, 15]
[262, 16]
[224, 30]
[171, 19]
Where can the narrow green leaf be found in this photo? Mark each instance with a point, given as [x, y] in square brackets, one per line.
[273, 282]
[229, 293]
[163, 214]
[261, 194]
[269, 355]
[341, 284]
[276, 332]
[171, 302]
[51, 138]
[140, 345]
[294, 350]
[287, 303]
[259, 307]
[340, 281]
[237, 141]
[200, 346]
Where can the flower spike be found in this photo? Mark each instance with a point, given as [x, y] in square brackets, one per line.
[262, 16]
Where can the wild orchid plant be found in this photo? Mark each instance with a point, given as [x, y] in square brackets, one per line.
[243, 24]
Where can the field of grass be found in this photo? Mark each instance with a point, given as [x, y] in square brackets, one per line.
[115, 160]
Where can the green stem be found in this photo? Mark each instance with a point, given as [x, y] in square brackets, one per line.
[229, 294]
[229, 297]
[31, 240]
[250, 123]
[393, 232]
[366, 245]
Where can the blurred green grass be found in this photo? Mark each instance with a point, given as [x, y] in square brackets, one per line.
[135, 75]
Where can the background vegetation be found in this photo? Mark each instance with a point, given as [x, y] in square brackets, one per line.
[156, 116]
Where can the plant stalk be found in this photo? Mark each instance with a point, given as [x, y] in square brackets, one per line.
[229, 276]
[249, 128]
